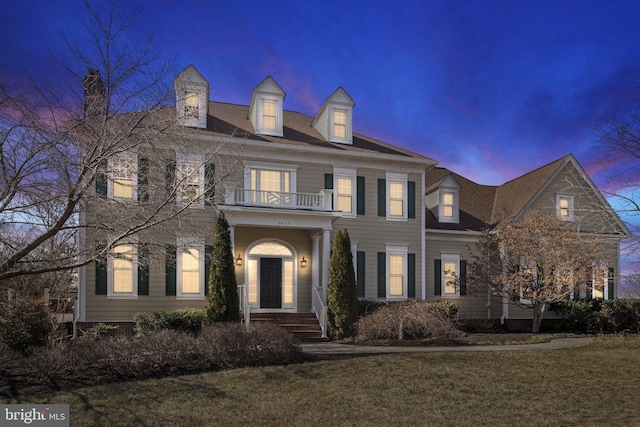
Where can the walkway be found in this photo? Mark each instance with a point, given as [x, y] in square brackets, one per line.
[330, 348]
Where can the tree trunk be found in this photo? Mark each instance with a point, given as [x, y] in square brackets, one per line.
[538, 311]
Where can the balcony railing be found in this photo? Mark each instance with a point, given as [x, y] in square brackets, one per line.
[321, 201]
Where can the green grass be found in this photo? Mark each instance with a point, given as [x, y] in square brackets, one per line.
[593, 385]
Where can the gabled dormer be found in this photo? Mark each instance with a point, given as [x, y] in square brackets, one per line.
[265, 111]
[444, 200]
[192, 98]
[334, 121]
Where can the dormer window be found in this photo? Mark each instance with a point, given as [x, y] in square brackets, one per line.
[265, 111]
[269, 114]
[191, 106]
[192, 98]
[448, 204]
[339, 124]
[334, 118]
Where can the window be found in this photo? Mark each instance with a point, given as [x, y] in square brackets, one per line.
[344, 194]
[123, 272]
[340, 124]
[269, 114]
[450, 274]
[190, 179]
[191, 106]
[564, 207]
[396, 271]
[448, 211]
[396, 196]
[123, 175]
[270, 184]
[599, 282]
[190, 270]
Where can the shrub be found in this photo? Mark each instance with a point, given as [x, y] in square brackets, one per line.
[224, 303]
[368, 306]
[410, 320]
[342, 295]
[164, 352]
[98, 331]
[599, 316]
[185, 319]
[24, 324]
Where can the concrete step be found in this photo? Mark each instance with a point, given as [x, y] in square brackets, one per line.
[304, 326]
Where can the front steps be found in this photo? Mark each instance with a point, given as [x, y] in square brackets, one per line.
[303, 326]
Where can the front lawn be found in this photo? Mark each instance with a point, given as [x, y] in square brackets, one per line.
[593, 385]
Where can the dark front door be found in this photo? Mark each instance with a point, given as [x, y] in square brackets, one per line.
[270, 283]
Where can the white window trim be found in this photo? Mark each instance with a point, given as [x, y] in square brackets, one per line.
[402, 250]
[260, 115]
[570, 198]
[456, 206]
[348, 173]
[134, 260]
[195, 160]
[185, 242]
[449, 257]
[348, 138]
[403, 178]
[133, 157]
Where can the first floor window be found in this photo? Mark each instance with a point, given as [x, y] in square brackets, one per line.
[122, 272]
[190, 265]
[396, 275]
[450, 272]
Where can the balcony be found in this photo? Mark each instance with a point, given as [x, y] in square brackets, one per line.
[322, 201]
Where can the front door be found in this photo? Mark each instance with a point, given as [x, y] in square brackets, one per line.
[270, 282]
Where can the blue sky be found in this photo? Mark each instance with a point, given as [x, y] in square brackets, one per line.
[491, 89]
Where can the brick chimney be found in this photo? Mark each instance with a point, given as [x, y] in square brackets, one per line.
[93, 94]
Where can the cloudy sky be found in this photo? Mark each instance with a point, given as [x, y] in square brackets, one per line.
[491, 89]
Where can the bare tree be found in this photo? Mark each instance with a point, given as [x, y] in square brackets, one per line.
[66, 155]
[619, 152]
[535, 261]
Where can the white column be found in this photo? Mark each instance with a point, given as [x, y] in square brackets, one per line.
[315, 261]
[232, 235]
[326, 253]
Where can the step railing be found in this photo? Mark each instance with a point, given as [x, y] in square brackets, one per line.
[320, 310]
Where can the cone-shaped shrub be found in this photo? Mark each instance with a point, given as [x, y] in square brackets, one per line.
[224, 305]
[342, 296]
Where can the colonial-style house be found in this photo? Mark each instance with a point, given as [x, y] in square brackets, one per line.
[287, 182]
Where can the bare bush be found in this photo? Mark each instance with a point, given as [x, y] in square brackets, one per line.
[410, 320]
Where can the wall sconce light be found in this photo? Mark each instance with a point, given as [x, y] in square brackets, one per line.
[303, 262]
[239, 259]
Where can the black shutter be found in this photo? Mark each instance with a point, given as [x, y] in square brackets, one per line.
[169, 177]
[463, 277]
[437, 277]
[360, 195]
[101, 178]
[101, 272]
[382, 197]
[170, 270]
[209, 183]
[143, 179]
[208, 252]
[610, 282]
[360, 267]
[382, 274]
[411, 199]
[411, 275]
[143, 269]
[328, 181]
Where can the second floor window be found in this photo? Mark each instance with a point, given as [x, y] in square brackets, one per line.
[123, 170]
[190, 181]
[270, 185]
[396, 198]
[344, 194]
